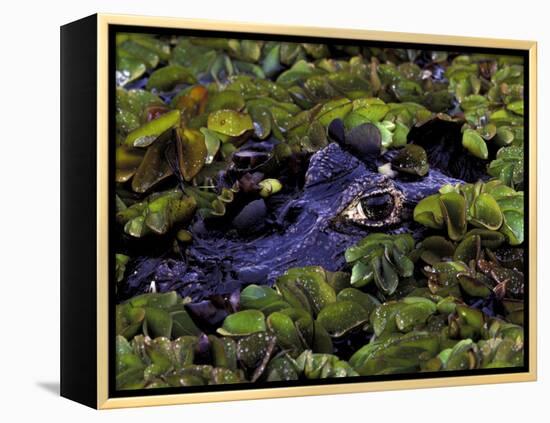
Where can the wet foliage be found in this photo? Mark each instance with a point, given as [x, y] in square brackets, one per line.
[291, 211]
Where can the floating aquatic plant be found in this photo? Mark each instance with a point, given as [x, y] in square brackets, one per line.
[233, 162]
[492, 205]
[381, 258]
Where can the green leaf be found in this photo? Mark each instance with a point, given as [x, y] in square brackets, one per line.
[146, 134]
[243, 323]
[158, 322]
[340, 317]
[183, 325]
[230, 122]
[167, 77]
[192, 152]
[472, 141]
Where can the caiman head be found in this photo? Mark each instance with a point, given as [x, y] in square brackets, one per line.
[342, 201]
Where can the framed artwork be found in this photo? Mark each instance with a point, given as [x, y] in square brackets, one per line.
[254, 211]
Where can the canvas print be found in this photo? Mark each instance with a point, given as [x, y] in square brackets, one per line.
[289, 212]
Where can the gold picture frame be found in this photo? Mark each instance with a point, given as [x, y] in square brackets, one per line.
[101, 23]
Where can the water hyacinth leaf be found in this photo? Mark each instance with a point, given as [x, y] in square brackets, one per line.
[243, 323]
[167, 77]
[382, 258]
[262, 121]
[396, 354]
[128, 69]
[435, 249]
[132, 49]
[415, 312]
[181, 209]
[475, 144]
[281, 368]
[322, 342]
[129, 368]
[400, 261]
[504, 136]
[230, 122]
[367, 244]
[126, 121]
[306, 288]
[354, 119]
[146, 134]
[488, 131]
[383, 318]
[411, 159]
[312, 281]
[322, 366]
[183, 325]
[463, 356]
[512, 227]
[121, 260]
[136, 101]
[157, 300]
[447, 305]
[373, 112]
[400, 133]
[385, 276]
[129, 320]
[224, 352]
[338, 280]
[516, 107]
[229, 100]
[367, 301]
[269, 187]
[192, 101]
[468, 249]
[473, 317]
[157, 215]
[154, 167]
[292, 294]
[386, 134]
[283, 328]
[157, 218]
[271, 64]
[508, 166]
[304, 323]
[341, 316]
[474, 101]
[212, 142]
[254, 351]
[488, 239]
[316, 137]
[473, 286]
[361, 274]
[127, 162]
[486, 212]
[428, 212]
[261, 298]
[453, 208]
[160, 48]
[299, 71]
[136, 227]
[335, 109]
[192, 152]
[482, 204]
[158, 322]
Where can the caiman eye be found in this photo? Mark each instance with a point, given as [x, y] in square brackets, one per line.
[377, 208]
